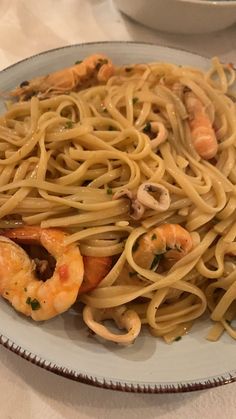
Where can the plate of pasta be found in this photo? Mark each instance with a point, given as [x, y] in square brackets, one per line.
[117, 215]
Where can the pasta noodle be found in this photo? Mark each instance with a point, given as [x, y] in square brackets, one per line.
[78, 160]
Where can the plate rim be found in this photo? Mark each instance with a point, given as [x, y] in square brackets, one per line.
[185, 387]
[160, 388]
[115, 42]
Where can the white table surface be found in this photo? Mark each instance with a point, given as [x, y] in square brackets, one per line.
[26, 391]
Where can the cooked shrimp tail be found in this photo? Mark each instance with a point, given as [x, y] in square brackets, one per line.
[168, 240]
[95, 269]
[97, 67]
[19, 284]
[203, 135]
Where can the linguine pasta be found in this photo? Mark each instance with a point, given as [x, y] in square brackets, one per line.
[77, 160]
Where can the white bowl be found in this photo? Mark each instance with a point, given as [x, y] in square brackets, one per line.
[181, 16]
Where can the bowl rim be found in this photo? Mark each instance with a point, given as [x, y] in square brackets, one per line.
[211, 3]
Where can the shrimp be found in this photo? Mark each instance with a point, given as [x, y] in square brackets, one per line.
[96, 66]
[18, 284]
[169, 240]
[95, 268]
[203, 135]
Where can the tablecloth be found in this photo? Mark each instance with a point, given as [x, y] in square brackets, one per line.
[26, 391]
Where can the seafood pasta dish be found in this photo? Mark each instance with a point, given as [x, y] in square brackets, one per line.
[118, 193]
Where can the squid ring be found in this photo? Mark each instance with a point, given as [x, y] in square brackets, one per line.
[124, 319]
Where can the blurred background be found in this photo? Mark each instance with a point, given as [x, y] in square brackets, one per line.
[29, 26]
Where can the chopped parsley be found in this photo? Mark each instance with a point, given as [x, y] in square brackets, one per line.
[147, 127]
[69, 124]
[155, 262]
[178, 338]
[109, 191]
[35, 304]
[154, 236]
[79, 62]
[135, 100]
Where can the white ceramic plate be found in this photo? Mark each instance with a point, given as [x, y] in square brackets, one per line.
[63, 345]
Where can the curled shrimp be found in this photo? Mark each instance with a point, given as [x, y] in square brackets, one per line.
[203, 135]
[169, 240]
[19, 285]
[73, 275]
[96, 67]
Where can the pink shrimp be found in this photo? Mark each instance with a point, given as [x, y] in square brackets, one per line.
[96, 67]
[170, 240]
[203, 135]
[19, 285]
[95, 268]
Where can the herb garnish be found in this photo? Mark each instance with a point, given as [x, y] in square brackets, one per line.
[109, 191]
[69, 124]
[178, 338]
[154, 236]
[147, 127]
[79, 62]
[35, 304]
